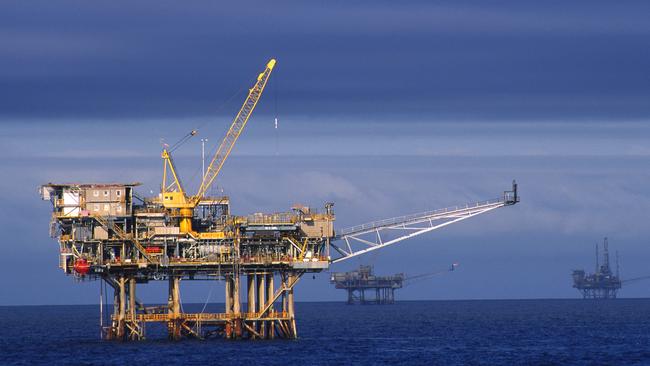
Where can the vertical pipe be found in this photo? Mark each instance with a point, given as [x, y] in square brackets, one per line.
[290, 296]
[284, 298]
[132, 298]
[120, 326]
[229, 285]
[250, 298]
[173, 321]
[100, 251]
[177, 296]
[170, 296]
[261, 302]
[270, 290]
[236, 305]
[132, 311]
[292, 316]
[101, 309]
[251, 293]
[170, 307]
[116, 312]
[228, 294]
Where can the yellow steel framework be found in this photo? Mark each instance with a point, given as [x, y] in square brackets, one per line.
[173, 195]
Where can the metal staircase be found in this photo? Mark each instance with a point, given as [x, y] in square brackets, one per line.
[109, 225]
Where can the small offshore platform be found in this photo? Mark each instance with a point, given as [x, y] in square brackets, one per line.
[107, 232]
[602, 284]
[381, 288]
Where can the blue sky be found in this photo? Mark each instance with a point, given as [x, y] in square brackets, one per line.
[385, 109]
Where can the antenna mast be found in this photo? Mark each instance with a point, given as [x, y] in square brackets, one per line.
[606, 255]
[597, 266]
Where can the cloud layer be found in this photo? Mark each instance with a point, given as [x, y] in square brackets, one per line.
[461, 59]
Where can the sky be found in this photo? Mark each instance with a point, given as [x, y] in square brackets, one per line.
[384, 108]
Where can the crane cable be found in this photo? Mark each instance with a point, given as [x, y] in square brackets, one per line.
[209, 296]
[213, 150]
[417, 278]
[182, 140]
[635, 279]
[195, 131]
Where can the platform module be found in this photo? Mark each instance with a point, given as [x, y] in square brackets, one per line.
[365, 287]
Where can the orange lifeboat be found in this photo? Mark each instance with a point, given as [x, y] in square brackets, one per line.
[81, 266]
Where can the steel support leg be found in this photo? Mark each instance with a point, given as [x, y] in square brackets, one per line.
[136, 329]
[174, 309]
[236, 305]
[292, 313]
[270, 291]
[261, 302]
[251, 297]
[122, 310]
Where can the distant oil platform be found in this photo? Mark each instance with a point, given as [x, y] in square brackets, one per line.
[365, 288]
[603, 284]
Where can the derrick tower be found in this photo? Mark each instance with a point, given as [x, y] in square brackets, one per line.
[603, 283]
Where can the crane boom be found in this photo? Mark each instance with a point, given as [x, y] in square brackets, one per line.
[233, 133]
[412, 279]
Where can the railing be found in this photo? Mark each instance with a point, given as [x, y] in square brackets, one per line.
[418, 216]
[164, 317]
[279, 218]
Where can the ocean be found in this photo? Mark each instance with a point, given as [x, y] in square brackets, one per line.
[476, 332]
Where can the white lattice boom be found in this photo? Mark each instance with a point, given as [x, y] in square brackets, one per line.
[365, 238]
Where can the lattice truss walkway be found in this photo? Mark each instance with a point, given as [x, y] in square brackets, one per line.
[362, 239]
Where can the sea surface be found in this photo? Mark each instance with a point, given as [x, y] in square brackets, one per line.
[479, 332]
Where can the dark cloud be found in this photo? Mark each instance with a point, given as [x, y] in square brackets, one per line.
[459, 59]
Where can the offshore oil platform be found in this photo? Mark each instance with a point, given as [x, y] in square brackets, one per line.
[602, 284]
[107, 232]
[381, 288]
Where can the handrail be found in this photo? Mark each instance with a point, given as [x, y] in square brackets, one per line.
[276, 218]
[163, 317]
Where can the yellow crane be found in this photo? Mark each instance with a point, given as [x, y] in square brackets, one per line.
[173, 196]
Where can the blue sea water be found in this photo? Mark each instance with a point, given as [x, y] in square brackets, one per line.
[481, 332]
